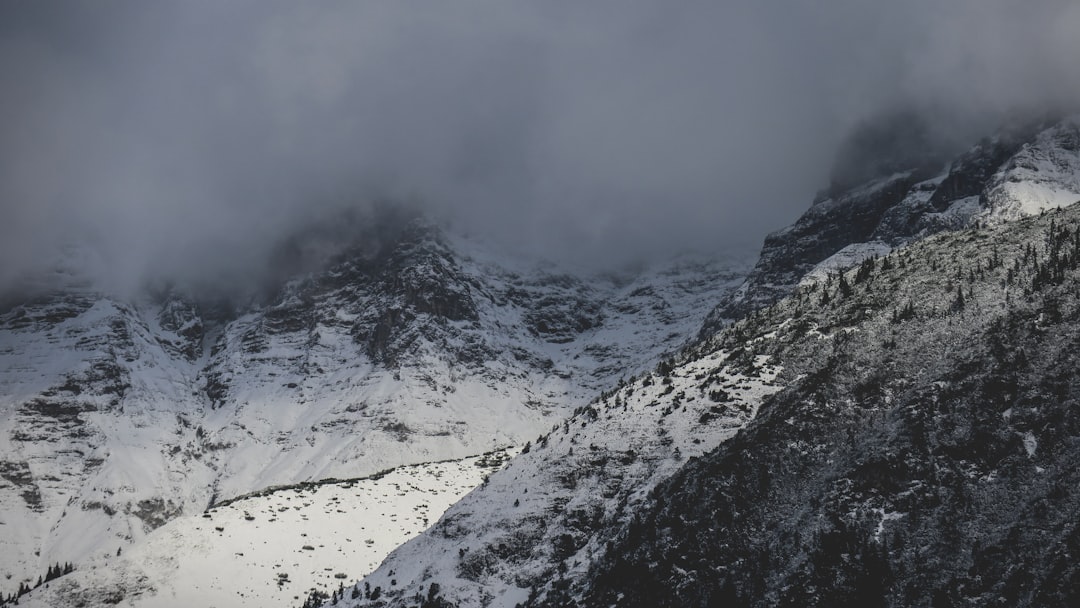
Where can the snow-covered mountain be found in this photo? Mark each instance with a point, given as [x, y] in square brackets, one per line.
[533, 527]
[839, 433]
[273, 547]
[118, 415]
[1021, 170]
[922, 452]
[778, 460]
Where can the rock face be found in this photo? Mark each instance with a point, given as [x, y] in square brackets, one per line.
[118, 414]
[897, 433]
[922, 452]
[909, 196]
[532, 527]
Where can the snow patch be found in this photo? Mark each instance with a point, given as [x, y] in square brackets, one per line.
[1030, 443]
[271, 548]
[848, 257]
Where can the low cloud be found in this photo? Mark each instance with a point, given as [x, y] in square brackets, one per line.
[190, 139]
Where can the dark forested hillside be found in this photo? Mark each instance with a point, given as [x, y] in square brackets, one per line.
[926, 452]
[883, 414]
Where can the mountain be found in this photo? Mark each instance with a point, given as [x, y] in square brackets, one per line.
[923, 452]
[410, 345]
[904, 197]
[535, 523]
[881, 414]
[274, 546]
[899, 432]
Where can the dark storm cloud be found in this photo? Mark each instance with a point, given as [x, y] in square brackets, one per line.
[190, 138]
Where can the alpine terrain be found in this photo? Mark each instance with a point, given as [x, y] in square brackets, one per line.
[489, 304]
[879, 413]
[884, 414]
[124, 417]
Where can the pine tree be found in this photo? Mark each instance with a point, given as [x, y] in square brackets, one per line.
[845, 289]
[958, 303]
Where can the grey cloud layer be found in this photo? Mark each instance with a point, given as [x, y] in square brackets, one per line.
[188, 138]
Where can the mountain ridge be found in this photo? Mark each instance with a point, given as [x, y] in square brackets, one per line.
[121, 414]
[902, 466]
[910, 198]
[634, 558]
[619, 474]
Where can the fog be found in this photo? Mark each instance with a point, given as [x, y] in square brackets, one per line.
[189, 139]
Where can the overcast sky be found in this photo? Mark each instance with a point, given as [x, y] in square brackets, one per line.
[187, 138]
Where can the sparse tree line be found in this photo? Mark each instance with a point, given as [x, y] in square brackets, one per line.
[55, 571]
[319, 598]
[1040, 263]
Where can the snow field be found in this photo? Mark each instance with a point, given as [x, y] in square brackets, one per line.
[275, 547]
[530, 524]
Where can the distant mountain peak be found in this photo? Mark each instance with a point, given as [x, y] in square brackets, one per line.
[398, 344]
[911, 193]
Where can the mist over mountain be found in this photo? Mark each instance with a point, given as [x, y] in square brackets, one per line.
[284, 285]
[191, 140]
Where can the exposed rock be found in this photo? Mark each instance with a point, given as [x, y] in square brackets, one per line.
[913, 459]
[911, 194]
[117, 414]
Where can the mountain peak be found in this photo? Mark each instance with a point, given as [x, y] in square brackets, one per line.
[1022, 169]
[393, 347]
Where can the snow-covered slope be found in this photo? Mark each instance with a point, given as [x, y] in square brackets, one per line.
[1021, 170]
[923, 451]
[915, 444]
[533, 525]
[96, 445]
[118, 415]
[549, 527]
[275, 547]
[1044, 174]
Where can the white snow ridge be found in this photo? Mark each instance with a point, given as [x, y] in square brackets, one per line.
[123, 419]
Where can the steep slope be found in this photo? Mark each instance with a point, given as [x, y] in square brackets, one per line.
[859, 354]
[275, 546]
[908, 196]
[423, 353]
[532, 527]
[96, 441]
[923, 451]
[1044, 174]
[118, 415]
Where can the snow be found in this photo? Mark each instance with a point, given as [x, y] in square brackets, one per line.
[144, 444]
[1044, 175]
[276, 547]
[497, 541]
[886, 516]
[848, 257]
[959, 213]
[1030, 443]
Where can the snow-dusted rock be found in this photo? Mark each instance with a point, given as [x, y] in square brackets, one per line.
[1021, 170]
[118, 415]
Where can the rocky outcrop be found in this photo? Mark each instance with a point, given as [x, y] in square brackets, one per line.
[922, 453]
[913, 193]
[897, 433]
[407, 345]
